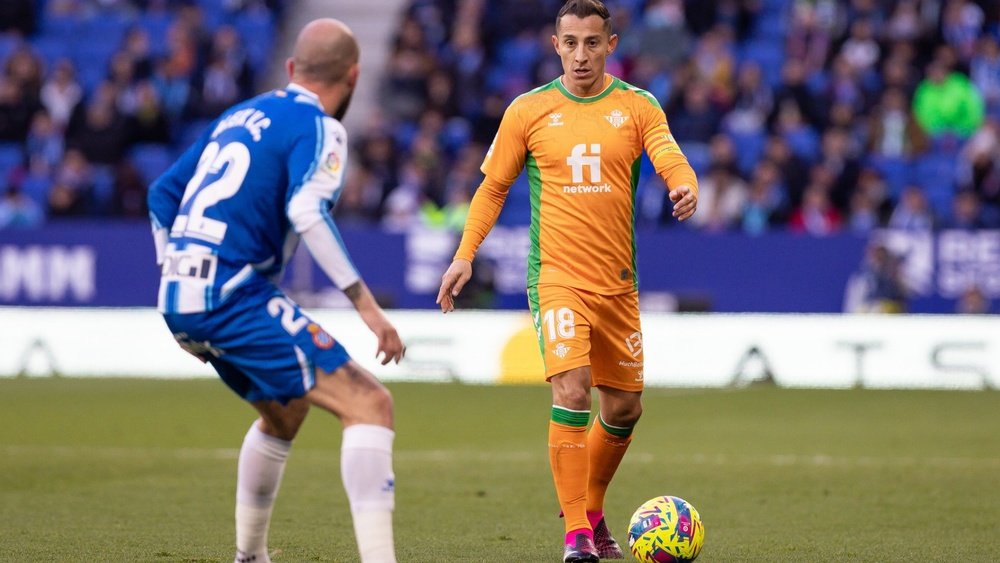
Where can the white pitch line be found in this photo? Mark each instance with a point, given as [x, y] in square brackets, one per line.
[517, 456]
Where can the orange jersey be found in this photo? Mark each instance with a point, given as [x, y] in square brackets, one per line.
[582, 157]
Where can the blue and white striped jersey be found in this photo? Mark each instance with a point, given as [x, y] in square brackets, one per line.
[230, 212]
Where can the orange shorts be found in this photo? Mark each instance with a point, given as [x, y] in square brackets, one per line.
[577, 328]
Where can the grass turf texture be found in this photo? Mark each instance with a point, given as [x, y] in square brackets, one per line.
[131, 470]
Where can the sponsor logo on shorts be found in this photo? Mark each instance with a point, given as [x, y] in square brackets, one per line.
[321, 338]
[634, 343]
[561, 350]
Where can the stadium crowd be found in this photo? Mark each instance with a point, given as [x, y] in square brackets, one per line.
[816, 116]
[97, 97]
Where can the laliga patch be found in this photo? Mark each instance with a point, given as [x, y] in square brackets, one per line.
[332, 162]
[321, 338]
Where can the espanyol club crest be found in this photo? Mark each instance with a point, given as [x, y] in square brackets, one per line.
[321, 338]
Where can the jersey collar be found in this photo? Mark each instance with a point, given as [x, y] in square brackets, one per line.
[590, 99]
[304, 92]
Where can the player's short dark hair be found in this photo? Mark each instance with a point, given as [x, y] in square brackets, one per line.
[583, 9]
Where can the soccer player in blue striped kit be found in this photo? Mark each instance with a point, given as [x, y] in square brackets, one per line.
[226, 218]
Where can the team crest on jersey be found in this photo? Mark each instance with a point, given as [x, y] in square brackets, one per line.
[555, 119]
[321, 338]
[617, 118]
[332, 161]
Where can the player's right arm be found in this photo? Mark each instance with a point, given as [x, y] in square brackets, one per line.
[503, 162]
[316, 167]
[164, 197]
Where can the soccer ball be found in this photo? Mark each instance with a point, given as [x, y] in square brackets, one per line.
[666, 530]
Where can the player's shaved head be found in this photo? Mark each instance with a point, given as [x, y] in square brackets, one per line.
[325, 51]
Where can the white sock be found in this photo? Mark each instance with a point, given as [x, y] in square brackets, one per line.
[366, 469]
[262, 462]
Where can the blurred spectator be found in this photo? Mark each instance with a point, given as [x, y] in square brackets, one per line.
[693, 118]
[45, 143]
[61, 93]
[812, 32]
[16, 110]
[129, 192]
[148, 123]
[946, 102]
[961, 23]
[17, 16]
[766, 200]
[984, 70]
[816, 215]
[869, 206]
[24, 69]
[793, 91]
[752, 102]
[973, 302]
[73, 186]
[136, 47]
[19, 211]
[980, 164]
[893, 132]
[878, 286]
[967, 213]
[97, 129]
[912, 212]
[722, 195]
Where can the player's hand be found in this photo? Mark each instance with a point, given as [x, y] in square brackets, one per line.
[390, 346]
[685, 201]
[452, 282]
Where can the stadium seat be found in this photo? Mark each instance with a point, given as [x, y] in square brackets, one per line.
[749, 148]
[698, 156]
[156, 26]
[770, 55]
[935, 173]
[804, 143]
[50, 48]
[11, 156]
[894, 170]
[257, 29]
[151, 160]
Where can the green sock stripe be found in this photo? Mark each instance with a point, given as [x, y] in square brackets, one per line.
[570, 417]
[620, 431]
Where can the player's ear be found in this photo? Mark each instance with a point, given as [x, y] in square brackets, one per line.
[352, 75]
[555, 43]
[290, 67]
[612, 43]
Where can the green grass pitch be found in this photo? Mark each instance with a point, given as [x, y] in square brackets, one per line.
[134, 470]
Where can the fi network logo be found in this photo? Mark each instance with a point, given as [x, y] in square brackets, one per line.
[580, 159]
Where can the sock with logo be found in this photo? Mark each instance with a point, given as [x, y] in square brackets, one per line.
[260, 467]
[568, 459]
[606, 446]
[366, 470]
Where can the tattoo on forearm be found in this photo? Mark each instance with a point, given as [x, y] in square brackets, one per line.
[354, 291]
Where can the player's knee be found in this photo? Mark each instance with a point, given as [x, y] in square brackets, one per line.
[382, 402]
[625, 415]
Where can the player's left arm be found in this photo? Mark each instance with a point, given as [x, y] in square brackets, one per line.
[309, 208]
[668, 160]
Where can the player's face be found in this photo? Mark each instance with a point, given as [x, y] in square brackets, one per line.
[584, 46]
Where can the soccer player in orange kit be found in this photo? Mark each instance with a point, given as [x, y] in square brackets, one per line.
[581, 138]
